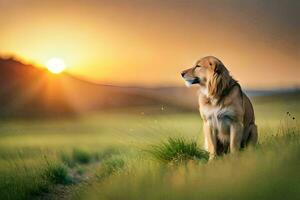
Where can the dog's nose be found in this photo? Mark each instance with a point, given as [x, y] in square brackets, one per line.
[182, 74]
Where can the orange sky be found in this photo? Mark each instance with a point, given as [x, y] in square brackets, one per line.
[150, 42]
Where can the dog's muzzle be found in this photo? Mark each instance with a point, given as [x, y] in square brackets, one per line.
[196, 80]
[190, 82]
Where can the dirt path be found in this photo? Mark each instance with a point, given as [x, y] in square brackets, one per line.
[66, 192]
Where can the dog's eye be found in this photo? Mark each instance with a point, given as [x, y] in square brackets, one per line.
[197, 66]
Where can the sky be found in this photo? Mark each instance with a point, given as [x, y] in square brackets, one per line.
[149, 42]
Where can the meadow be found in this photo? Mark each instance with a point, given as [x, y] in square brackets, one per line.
[109, 155]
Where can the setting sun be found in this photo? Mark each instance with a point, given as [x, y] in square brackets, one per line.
[56, 65]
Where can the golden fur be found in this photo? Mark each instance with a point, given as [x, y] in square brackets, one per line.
[227, 113]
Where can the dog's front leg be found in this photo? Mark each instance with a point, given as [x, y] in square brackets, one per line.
[236, 136]
[210, 140]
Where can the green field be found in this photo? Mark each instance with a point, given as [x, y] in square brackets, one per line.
[106, 156]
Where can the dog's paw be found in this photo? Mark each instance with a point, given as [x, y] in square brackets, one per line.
[212, 157]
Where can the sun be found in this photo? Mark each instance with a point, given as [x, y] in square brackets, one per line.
[56, 65]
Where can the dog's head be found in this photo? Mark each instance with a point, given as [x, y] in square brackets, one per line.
[209, 72]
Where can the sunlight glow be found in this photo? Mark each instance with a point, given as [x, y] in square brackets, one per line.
[56, 65]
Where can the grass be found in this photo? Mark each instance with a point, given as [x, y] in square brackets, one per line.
[21, 180]
[103, 156]
[259, 174]
[57, 173]
[77, 157]
[178, 150]
[110, 166]
[81, 156]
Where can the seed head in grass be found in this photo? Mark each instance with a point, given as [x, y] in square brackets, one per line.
[178, 150]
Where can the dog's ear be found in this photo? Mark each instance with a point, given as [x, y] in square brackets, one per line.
[219, 81]
[219, 67]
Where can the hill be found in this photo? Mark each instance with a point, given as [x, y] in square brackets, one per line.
[26, 90]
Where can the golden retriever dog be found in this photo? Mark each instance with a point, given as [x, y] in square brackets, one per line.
[227, 113]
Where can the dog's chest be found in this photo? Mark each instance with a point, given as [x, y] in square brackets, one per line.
[219, 120]
[217, 114]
